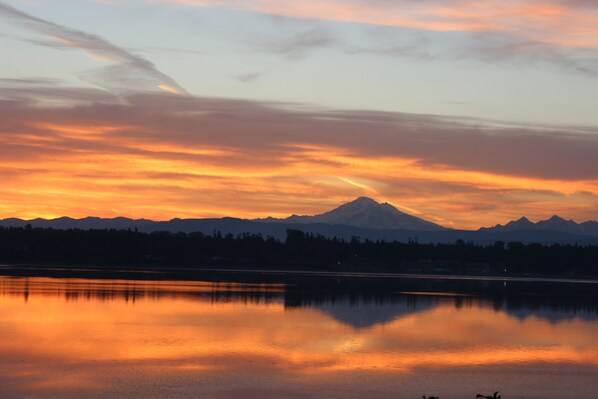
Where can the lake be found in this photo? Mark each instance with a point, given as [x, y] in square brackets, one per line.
[235, 335]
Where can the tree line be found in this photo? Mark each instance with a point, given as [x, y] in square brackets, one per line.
[299, 251]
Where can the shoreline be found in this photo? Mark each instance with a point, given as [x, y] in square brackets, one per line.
[281, 272]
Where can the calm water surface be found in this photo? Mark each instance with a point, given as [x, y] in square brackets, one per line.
[83, 338]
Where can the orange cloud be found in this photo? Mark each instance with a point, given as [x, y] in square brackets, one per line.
[157, 157]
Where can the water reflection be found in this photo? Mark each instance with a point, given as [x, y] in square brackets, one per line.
[119, 338]
[129, 290]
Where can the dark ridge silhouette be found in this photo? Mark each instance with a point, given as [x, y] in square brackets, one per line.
[555, 223]
[364, 218]
[278, 230]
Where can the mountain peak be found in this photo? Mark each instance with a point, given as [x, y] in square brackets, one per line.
[360, 203]
[522, 223]
[364, 200]
[367, 213]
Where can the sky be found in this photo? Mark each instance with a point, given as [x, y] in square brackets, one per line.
[465, 113]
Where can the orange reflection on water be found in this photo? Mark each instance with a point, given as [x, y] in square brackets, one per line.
[192, 328]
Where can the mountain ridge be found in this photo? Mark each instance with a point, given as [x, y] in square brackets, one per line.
[554, 223]
[363, 218]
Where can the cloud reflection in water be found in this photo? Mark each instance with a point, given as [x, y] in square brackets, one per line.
[211, 339]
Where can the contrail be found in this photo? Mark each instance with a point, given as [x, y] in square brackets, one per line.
[126, 66]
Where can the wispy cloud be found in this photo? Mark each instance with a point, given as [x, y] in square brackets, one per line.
[487, 47]
[492, 47]
[557, 32]
[127, 70]
[248, 77]
[299, 44]
[29, 81]
[565, 23]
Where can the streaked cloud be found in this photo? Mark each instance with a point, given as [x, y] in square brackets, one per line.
[298, 45]
[248, 77]
[162, 156]
[126, 71]
[560, 33]
[495, 48]
[545, 21]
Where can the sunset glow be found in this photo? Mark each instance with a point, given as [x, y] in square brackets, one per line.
[465, 113]
[87, 169]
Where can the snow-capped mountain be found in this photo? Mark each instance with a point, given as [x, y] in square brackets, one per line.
[365, 213]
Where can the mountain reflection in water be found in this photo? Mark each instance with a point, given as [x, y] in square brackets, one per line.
[242, 339]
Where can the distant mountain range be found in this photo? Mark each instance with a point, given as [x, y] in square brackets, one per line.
[363, 217]
[555, 223]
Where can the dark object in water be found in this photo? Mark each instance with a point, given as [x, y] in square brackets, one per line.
[431, 397]
[495, 396]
